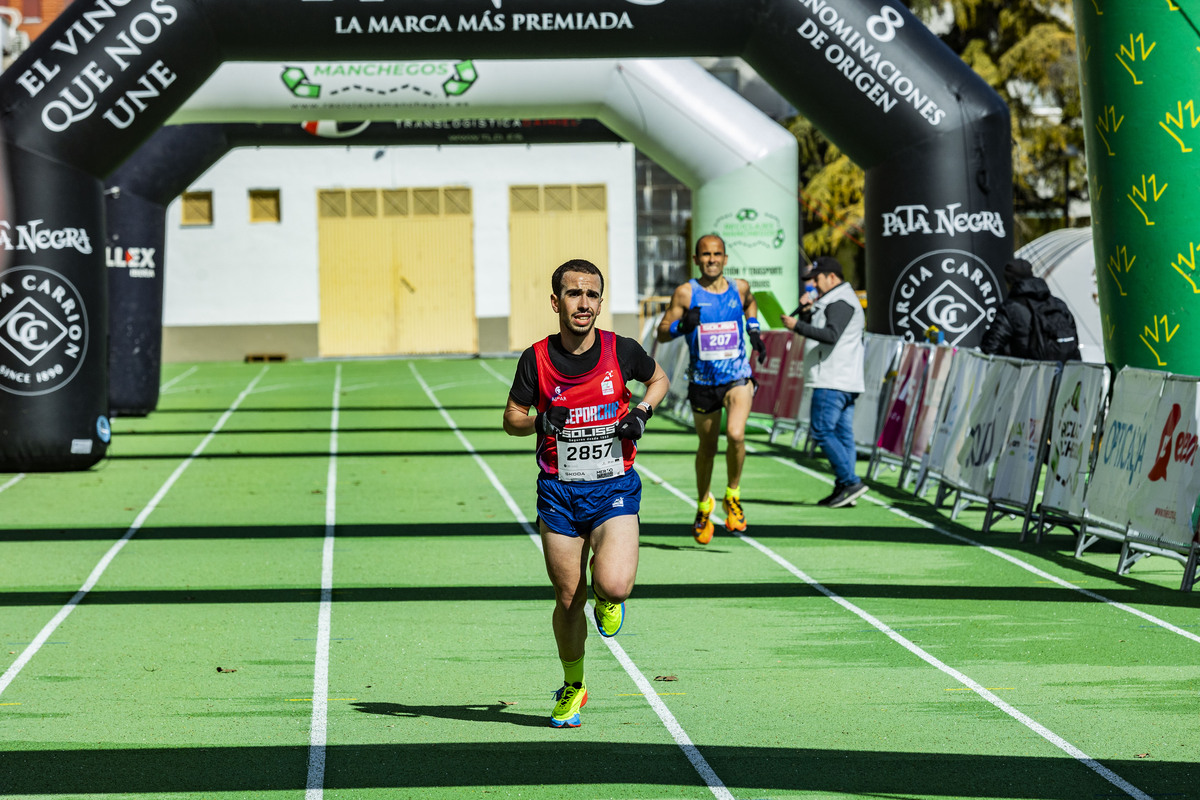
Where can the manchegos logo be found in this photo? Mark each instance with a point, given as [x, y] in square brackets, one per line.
[427, 79]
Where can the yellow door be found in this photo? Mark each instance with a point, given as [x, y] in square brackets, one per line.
[358, 315]
[549, 225]
[396, 272]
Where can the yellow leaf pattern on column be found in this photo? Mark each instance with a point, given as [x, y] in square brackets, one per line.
[1168, 333]
[1177, 121]
[1188, 261]
[1146, 194]
[1107, 124]
[1136, 52]
[1120, 261]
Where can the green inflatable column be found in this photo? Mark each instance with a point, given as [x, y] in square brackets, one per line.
[757, 215]
[1139, 65]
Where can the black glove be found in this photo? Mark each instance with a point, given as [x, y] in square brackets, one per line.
[633, 424]
[756, 342]
[551, 421]
[690, 320]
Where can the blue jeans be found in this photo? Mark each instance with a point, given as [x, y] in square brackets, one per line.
[832, 427]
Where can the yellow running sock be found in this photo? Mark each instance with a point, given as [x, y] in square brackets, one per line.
[573, 670]
[706, 505]
[736, 494]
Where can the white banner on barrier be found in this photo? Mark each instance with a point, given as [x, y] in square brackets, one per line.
[1165, 496]
[987, 426]
[1018, 464]
[1123, 460]
[957, 405]
[931, 399]
[902, 398]
[965, 372]
[1076, 410]
[879, 354]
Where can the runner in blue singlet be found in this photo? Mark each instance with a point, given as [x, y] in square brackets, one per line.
[712, 312]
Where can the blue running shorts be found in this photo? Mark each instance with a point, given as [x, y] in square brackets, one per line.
[578, 508]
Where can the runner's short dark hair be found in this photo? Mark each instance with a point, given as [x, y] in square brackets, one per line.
[574, 265]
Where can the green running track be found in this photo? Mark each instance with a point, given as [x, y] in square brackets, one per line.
[318, 580]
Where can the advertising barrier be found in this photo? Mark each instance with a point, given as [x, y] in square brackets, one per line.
[880, 356]
[1126, 451]
[1019, 463]
[1075, 426]
[1164, 500]
[901, 404]
[769, 373]
[941, 458]
[791, 389]
[991, 408]
[994, 422]
[930, 402]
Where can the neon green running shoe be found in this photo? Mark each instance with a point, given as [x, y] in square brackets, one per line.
[568, 700]
[609, 616]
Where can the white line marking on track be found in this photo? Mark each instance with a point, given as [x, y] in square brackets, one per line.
[489, 368]
[186, 373]
[1035, 726]
[453, 385]
[699, 763]
[997, 553]
[358, 387]
[28, 653]
[315, 786]
[13, 481]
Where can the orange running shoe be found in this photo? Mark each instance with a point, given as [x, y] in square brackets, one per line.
[735, 520]
[702, 528]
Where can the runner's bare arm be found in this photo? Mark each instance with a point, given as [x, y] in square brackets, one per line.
[680, 300]
[517, 421]
[656, 387]
[749, 304]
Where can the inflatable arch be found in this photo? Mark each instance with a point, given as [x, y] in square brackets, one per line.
[932, 137]
[137, 195]
[741, 165]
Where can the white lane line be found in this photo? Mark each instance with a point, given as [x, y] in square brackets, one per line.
[28, 653]
[358, 387]
[186, 373]
[699, 763]
[453, 385]
[315, 787]
[490, 369]
[1035, 726]
[13, 481]
[997, 553]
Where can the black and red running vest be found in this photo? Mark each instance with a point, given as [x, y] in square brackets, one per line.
[588, 449]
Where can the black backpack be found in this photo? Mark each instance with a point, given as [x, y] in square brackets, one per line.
[1052, 334]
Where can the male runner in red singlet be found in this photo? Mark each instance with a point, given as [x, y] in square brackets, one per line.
[588, 494]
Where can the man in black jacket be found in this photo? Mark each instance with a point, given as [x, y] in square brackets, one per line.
[1010, 332]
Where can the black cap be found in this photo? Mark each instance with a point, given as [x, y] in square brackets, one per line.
[1017, 269]
[827, 264]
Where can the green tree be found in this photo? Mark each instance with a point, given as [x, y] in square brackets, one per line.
[831, 200]
[1025, 50]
